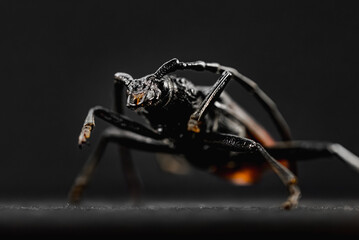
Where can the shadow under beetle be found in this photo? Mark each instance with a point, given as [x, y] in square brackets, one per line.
[202, 124]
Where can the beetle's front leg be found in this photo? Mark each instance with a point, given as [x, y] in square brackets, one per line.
[125, 139]
[115, 119]
[195, 120]
[87, 127]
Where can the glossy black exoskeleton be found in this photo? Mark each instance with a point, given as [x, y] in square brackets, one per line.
[204, 126]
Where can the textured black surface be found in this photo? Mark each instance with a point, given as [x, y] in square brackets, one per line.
[246, 217]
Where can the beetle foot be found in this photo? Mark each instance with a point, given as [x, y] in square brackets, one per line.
[85, 134]
[193, 125]
[287, 205]
[293, 198]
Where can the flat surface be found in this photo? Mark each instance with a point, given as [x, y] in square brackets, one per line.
[315, 217]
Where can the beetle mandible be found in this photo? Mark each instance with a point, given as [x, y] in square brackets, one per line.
[203, 124]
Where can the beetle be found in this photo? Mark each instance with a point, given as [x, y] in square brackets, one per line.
[204, 125]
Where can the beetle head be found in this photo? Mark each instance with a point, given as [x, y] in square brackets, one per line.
[142, 92]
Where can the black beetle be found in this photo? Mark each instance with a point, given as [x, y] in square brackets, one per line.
[204, 125]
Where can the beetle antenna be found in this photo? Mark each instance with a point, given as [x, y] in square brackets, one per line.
[167, 67]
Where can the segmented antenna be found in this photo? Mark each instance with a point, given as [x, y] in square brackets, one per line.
[168, 67]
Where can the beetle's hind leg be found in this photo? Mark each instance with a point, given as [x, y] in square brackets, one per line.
[302, 150]
[238, 144]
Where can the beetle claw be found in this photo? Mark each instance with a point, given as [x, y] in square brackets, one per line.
[294, 196]
[287, 205]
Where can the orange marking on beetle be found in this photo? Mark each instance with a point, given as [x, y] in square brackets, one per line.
[194, 126]
[245, 176]
[138, 97]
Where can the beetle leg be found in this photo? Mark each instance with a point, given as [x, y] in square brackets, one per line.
[196, 118]
[126, 139]
[239, 144]
[301, 150]
[84, 177]
[115, 119]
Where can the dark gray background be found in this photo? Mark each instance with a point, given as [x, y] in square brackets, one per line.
[58, 59]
